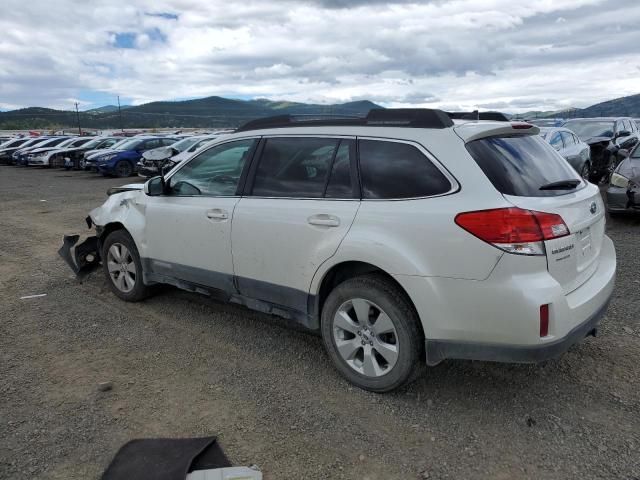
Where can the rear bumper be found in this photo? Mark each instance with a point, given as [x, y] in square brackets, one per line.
[438, 350]
[498, 319]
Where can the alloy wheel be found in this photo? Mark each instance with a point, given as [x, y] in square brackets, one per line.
[122, 268]
[365, 337]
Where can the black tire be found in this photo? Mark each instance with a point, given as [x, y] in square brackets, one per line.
[377, 289]
[123, 169]
[139, 291]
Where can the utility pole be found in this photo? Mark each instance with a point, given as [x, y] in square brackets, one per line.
[120, 115]
[78, 118]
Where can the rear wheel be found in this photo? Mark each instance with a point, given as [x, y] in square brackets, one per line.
[123, 169]
[371, 333]
[122, 267]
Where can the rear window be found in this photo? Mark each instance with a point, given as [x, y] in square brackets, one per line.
[520, 165]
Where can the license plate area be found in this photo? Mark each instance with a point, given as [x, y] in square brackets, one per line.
[585, 247]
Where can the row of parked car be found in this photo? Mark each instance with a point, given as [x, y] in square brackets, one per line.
[108, 155]
[593, 146]
[599, 149]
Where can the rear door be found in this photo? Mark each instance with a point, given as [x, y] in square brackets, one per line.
[520, 166]
[301, 201]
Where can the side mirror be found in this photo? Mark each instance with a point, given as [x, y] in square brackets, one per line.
[154, 187]
[623, 133]
[623, 152]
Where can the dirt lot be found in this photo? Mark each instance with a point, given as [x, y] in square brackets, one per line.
[183, 365]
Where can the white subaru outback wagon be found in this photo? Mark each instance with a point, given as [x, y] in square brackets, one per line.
[406, 235]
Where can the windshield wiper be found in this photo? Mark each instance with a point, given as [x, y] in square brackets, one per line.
[561, 185]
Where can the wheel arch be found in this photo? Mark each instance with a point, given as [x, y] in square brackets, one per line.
[343, 271]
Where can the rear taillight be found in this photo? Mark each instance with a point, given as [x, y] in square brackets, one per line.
[513, 229]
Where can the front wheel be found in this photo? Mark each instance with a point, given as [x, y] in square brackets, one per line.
[123, 169]
[122, 267]
[371, 333]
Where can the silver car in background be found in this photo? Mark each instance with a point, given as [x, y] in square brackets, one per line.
[569, 145]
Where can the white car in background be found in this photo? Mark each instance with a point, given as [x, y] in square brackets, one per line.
[400, 237]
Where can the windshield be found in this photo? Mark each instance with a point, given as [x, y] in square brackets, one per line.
[94, 142]
[14, 143]
[68, 142]
[587, 129]
[184, 144]
[520, 165]
[200, 143]
[127, 145]
[544, 123]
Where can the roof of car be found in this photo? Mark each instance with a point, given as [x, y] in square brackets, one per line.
[600, 119]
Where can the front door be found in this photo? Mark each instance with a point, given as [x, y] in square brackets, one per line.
[188, 231]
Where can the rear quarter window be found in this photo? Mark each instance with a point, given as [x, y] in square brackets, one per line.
[396, 170]
[519, 165]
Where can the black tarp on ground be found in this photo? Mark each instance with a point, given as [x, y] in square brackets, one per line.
[165, 459]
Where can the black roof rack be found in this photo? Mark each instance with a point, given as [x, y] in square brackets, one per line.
[475, 115]
[388, 117]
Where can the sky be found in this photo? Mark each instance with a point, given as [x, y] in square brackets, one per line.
[507, 55]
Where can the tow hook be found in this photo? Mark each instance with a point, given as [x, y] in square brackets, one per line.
[82, 258]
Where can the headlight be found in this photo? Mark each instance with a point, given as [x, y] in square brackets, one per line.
[618, 180]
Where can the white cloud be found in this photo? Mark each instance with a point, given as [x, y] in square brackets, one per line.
[467, 53]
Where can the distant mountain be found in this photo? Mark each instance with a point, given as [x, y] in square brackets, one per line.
[206, 112]
[107, 109]
[618, 107]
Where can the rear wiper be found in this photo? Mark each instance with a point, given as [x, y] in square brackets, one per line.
[561, 185]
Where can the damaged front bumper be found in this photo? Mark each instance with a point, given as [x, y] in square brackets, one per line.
[623, 199]
[84, 257]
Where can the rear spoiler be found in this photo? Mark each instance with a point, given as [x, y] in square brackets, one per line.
[476, 115]
[474, 131]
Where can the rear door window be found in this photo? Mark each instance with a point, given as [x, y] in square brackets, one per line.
[398, 170]
[520, 165]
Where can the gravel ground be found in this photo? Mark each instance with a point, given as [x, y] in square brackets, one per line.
[184, 365]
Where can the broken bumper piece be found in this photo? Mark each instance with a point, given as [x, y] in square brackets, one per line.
[82, 258]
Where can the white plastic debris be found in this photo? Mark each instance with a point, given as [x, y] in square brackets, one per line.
[229, 473]
[33, 296]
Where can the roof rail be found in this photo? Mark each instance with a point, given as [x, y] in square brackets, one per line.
[476, 115]
[388, 117]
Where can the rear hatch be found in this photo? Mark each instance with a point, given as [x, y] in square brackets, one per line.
[531, 175]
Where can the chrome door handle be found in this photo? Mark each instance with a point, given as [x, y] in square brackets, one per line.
[324, 220]
[217, 214]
